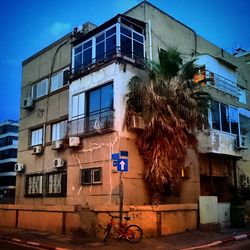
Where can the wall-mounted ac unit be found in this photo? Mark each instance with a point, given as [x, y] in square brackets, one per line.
[27, 103]
[57, 144]
[136, 122]
[58, 163]
[37, 150]
[19, 167]
[74, 141]
[241, 142]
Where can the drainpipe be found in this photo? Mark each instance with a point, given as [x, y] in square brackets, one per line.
[150, 40]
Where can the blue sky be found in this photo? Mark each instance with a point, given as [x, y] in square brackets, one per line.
[27, 26]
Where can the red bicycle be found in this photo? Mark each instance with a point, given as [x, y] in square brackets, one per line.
[131, 233]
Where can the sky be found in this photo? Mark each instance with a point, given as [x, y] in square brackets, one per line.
[27, 26]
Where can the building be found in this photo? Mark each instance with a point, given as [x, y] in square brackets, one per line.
[73, 114]
[8, 158]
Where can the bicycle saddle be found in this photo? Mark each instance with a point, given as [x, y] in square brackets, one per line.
[127, 218]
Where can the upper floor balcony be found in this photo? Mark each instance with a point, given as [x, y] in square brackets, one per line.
[121, 37]
[207, 78]
[101, 121]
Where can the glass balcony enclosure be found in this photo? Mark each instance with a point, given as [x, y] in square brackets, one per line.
[121, 36]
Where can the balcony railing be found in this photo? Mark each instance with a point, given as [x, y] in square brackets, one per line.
[97, 122]
[94, 64]
[208, 78]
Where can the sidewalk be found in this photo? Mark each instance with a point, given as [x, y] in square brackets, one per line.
[187, 240]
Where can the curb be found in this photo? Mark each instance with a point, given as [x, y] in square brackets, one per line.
[221, 242]
[31, 243]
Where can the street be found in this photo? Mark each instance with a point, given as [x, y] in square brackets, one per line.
[7, 245]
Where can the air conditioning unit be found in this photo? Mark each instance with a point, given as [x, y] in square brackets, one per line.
[136, 122]
[57, 144]
[19, 167]
[27, 103]
[58, 163]
[74, 141]
[241, 142]
[37, 150]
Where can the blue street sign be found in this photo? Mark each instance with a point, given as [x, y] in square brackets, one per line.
[122, 165]
[124, 153]
[115, 157]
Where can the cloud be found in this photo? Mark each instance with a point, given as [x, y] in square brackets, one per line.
[59, 28]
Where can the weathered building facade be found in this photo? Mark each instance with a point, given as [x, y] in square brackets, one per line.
[73, 108]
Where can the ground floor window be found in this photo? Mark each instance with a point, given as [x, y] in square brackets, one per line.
[91, 176]
[46, 184]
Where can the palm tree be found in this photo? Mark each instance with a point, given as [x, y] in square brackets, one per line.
[170, 110]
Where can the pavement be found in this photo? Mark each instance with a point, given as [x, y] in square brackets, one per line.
[183, 241]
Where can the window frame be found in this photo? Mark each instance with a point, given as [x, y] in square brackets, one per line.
[40, 184]
[230, 120]
[62, 84]
[61, 126]
[40, 138]
[63, 184]
[34, 93]
[92, 176]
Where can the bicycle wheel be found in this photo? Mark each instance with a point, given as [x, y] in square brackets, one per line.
[107, 232]
[133, 233]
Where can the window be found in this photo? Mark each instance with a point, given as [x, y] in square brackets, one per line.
[53, 183]
[83, 55]
[56, 184]
[40, 89]
[9, 140]
[37, 137]
[34, 185]
[132, 43]
[59, 130]
[58, 80]
[225, 118]
[8, 129]
[8, 153]
[91, 176]
[78, 105]
[242, 95]
[99, 106]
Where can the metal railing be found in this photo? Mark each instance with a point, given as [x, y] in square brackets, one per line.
[96, 122]
[208, 78]
[108, 57]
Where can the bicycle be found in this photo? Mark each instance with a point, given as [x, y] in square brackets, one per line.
[131, 233]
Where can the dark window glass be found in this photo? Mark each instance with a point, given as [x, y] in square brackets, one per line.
[215, 115]
[110, 46]
[96, 175]
[107, 96]
[126, 46]
[86, 176]
[100, 51]
[110, 31]
[224, 117]
[138, 50]
[87, 44]
[7, 180]
[87, 57]
[126, 32]
[138, 37]
[78, 49]
[234, 120]
[78, 61]
[94, 101]
[100, 38]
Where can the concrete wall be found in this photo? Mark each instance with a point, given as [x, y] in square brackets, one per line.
[154, 220]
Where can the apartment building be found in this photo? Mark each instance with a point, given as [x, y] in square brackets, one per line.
[8, 158]
[73, 108]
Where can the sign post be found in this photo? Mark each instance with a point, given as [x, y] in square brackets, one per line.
[122, 166]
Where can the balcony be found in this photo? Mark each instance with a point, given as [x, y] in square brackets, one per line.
[218, 142]
[210, 79]
[98, 122]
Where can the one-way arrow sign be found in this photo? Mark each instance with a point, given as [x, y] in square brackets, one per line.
[122, 165]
